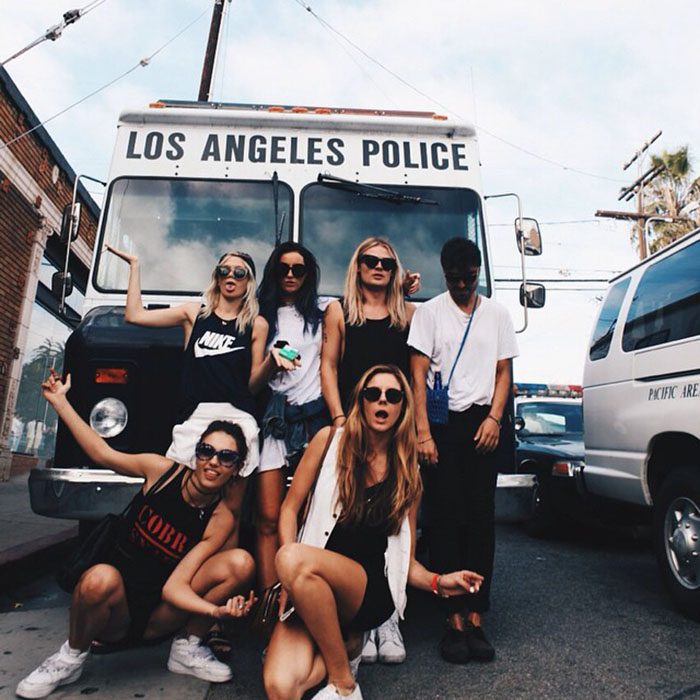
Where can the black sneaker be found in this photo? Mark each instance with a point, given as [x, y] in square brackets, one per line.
[453, 646]
[479, 647]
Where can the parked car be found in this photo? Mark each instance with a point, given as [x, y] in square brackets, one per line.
[549, 444]
[641, 393]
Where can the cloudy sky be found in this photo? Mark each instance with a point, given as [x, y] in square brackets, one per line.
[574, 88]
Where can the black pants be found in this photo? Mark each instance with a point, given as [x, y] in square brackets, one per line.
[460, 493]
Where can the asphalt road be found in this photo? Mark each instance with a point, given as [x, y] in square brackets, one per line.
[583, 616]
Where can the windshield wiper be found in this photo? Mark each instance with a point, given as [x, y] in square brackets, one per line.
[370, 191]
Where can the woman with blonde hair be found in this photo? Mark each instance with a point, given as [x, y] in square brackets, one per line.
[224, 363]
[368, 326]
[356, 553]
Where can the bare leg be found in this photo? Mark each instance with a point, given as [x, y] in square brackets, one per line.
[233, 498]
[326, 588]
[98, 608]
[217, 580]
[270, 489]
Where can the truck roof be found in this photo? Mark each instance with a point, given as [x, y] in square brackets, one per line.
[255, 115]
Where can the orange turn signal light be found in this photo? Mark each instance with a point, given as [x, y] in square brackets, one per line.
[111, 375]
[275, 109]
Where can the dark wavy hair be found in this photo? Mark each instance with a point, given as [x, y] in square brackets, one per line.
[306, 301]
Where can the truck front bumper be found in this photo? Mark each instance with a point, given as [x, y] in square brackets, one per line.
[80, 494]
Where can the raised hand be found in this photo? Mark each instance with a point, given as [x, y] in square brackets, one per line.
[127, 257]
[411, 282]
[53, 388]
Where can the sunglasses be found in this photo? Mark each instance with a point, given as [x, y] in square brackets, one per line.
[467, 279]
[374, 393]
[238, 272]
[371, 261]
[298, 270]
[227, 458]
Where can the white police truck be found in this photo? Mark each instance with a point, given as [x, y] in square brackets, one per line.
[641, 405]
[189, 181]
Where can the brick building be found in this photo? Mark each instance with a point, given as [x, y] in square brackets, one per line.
[36, 183]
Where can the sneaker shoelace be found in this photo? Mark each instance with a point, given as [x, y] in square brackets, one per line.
[54, 665]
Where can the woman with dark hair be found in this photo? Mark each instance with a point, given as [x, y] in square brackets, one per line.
[356, 553]
[288, 299]
[167, 569]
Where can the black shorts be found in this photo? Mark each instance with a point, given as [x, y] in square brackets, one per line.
[377, 604]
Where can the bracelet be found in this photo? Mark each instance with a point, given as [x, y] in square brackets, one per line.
[340, 415]
[434, 584]
[498, 422]
[422, 442]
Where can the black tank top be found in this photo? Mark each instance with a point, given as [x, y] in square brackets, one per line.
[158, 530]
[216, 367]
[375, 342]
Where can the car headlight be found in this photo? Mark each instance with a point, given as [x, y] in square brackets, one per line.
[108, 417]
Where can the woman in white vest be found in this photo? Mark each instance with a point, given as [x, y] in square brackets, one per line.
[355, 554]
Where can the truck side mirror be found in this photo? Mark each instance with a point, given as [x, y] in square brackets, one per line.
[528, 237]
[59, 282]
[532, 295]
[70, 222]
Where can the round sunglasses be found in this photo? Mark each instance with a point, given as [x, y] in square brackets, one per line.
[298, 270]
[372, 394]
[371, 261]
[227, 458]
[238, 272]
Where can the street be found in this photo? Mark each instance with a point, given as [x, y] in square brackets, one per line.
[582, 616]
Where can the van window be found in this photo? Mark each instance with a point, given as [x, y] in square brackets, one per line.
[335, 220]
[605, 327]
[666, 305]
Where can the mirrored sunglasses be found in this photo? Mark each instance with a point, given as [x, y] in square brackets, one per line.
[374, 393]
[239, 273]
[298, 270]
[227, 458]
[371, 261]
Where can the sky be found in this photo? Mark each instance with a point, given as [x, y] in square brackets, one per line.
[582, 84]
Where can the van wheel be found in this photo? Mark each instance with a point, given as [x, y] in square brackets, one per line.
[677, 538]
[542, 516]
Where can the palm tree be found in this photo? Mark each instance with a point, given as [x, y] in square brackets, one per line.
[671, 194]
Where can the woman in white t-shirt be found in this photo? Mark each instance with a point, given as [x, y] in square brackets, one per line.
[289, 302]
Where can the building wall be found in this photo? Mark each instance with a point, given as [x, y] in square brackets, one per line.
[35, 185]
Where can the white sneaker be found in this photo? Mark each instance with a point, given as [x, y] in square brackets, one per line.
[189, 656]
[369, 650]
[330, 692]
[64, 667]
[390, 648]
[355, 666]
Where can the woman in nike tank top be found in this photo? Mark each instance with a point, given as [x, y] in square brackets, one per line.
[225, 362]
[167, 568]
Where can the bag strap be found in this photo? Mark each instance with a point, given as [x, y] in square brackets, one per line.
[310, 495]
[464, 340]
[162, 479]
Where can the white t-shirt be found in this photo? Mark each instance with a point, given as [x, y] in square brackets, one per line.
[304, 383]
[436, 331]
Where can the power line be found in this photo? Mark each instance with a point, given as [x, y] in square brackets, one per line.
[144, 62]
[556, 223]
[54, 32]
[402, 80]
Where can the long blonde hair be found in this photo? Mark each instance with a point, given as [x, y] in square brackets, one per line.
[352, 293]
[403, 477]
[249, 306]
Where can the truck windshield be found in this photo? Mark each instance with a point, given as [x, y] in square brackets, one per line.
[335, 219]
[180, 228]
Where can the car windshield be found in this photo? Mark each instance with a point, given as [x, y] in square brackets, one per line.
[417, 220]
[179, 228]
[550, 417]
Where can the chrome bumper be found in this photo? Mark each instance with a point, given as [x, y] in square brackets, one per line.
[80, 494]
[514, 497]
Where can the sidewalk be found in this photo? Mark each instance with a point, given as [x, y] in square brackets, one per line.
[24, 534]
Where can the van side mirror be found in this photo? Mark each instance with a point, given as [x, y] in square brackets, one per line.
[518, 423]
[70, 222]
[61, 281]
[532, 295]
[528, 237]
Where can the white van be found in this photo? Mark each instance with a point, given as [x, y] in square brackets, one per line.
[641, 405]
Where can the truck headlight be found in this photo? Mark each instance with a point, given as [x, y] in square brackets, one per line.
[109, 417]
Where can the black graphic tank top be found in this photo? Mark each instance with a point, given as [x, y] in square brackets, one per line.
[216, 367]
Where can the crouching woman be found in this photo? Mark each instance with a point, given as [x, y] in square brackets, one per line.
[166, 570]
[356, 552]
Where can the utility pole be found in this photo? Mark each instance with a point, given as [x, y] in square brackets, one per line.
[210, 55]
[637, 189]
